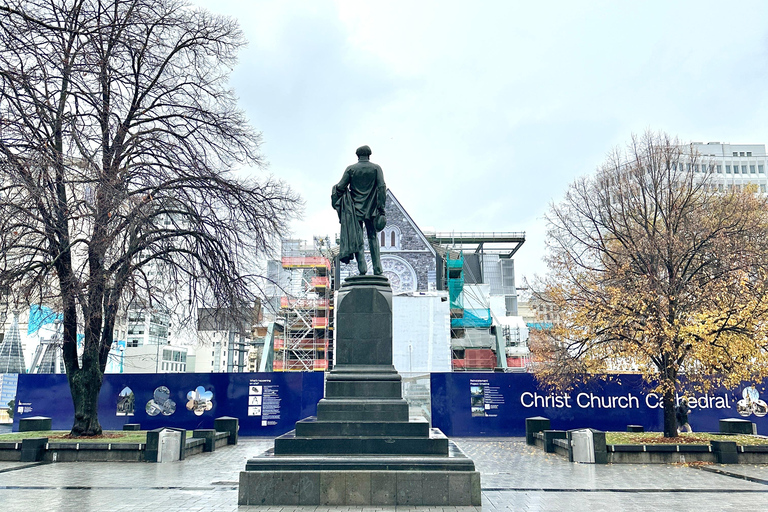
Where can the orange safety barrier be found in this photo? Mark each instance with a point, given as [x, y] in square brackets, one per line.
[517, 362]
[320, 282]
[286, 302]
[305, 262]
[297, 366]
[303, 344]
[477, 358]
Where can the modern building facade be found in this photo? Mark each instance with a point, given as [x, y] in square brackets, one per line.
[733, 165]
[224, 339]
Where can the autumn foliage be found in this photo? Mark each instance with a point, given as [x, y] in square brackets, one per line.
[654, 268]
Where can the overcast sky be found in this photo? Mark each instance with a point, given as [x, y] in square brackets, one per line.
[482, 113]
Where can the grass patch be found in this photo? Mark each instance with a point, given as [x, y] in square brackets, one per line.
[62, 436]
[683, 438]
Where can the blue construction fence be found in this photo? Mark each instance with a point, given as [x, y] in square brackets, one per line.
[460, 404]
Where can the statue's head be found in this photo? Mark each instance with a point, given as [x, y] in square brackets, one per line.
[363, 151]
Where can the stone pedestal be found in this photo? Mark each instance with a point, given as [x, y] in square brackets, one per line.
[362, 432]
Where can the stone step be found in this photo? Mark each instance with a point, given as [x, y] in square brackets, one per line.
[454, 460]
[311, 427]
[363, 388]
[372, 409]
[290, 444]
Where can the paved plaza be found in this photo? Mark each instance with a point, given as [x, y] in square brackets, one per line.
[514, 477]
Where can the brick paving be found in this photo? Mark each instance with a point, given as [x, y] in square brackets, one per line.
[514, 477]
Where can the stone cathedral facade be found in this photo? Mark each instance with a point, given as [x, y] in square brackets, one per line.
[408, 259]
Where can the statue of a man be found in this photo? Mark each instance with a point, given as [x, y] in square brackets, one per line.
[359, 199]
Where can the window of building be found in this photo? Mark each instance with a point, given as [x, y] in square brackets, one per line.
[741, 153]
[735, 153]
[720, 169]
[762, 188]
[727, 169]
[751, 169]
[720, 187]
[390, 238]
[735, 169]
[760, 168]
[743, 169]
[749, 153]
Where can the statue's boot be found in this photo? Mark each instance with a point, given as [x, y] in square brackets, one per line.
[362, 268]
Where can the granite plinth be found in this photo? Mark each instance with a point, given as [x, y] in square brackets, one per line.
[364, 322]
[361, 449]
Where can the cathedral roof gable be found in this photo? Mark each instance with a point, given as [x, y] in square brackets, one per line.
[391, 199]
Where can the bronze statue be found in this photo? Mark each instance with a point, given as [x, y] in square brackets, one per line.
[359, 199]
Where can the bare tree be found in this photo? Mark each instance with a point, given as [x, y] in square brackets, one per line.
[119, 137]
[653, 268]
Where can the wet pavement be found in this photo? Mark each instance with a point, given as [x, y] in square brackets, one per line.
[514, 476]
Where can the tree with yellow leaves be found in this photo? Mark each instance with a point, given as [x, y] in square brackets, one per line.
[651, 267]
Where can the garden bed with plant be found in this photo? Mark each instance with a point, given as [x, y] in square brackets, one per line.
[63, 436]
[652, 438]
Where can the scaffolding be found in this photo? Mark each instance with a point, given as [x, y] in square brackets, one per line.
[306, 312]
[469, 327]
[478, 340]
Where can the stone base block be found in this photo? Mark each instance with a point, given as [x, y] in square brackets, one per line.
[737, 426]
[362, 410]
[291, 444]
[311, 427]
[227, 424]
[35, 424]
[209, 434]
[360, 488]
[33, 449]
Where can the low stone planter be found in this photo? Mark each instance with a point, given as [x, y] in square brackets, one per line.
[40, 449]
[721, 452]
[658, 453]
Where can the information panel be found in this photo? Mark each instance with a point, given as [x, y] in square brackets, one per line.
[267, 404]
[462, 404]
[496, 404]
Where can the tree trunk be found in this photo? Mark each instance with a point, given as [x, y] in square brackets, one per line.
[85, 386]
[670, 421]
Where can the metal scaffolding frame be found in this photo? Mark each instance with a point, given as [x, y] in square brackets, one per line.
[306, 312]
